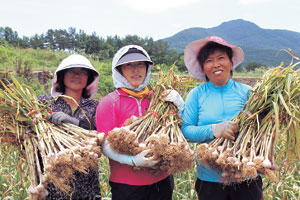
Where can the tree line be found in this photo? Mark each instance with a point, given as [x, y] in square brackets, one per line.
[78, 41]
[72, 40]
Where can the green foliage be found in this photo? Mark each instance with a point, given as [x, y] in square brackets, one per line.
[94, 44]
[180, 64]
[239, 68]
[37, 59]
[255, 74]
[72, 41]
[105, 84]
[3, 42]
[13, 183]
[288, 186]
[104, 173]
[253, 69]
[252, 66]
[35, 84]
[9, 35]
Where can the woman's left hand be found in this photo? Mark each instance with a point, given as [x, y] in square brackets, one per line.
[131, 120]
[225, 129]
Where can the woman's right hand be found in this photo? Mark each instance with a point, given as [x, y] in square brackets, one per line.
[225, 129]
[58, 118]
[140, 160]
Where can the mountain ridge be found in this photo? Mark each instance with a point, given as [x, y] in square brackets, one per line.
[259, 44]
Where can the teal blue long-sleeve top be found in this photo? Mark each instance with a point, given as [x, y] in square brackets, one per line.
[206, 105]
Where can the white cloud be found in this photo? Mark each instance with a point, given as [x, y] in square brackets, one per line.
[252, 2]
[156, 6]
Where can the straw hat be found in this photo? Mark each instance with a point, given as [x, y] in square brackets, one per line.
[192, 50]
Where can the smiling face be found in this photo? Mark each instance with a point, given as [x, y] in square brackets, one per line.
[75, 79]
[217, 67]
[134, 72]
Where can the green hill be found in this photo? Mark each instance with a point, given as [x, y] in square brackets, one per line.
[260, 45]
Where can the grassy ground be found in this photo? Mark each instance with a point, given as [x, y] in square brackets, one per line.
[13, 183]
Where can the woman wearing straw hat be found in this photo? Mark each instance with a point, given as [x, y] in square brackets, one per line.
[131, 70]
[77, 78]
[209, 109]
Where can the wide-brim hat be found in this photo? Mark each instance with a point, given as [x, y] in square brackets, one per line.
[76, 61]
[192, 50]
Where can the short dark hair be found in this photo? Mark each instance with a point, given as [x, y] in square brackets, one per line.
[210, 48]
[61, 86]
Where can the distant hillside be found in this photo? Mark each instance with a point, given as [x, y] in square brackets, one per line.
[260, 45]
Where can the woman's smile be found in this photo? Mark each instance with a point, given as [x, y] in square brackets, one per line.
[134, 72]
[217, 68]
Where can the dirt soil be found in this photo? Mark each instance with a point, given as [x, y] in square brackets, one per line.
[247, 80]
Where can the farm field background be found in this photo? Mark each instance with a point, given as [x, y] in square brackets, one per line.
[35, 68]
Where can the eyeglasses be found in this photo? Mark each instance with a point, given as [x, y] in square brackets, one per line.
[77, 72]
[134, 65]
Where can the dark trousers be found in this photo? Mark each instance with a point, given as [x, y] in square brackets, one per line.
[161, 190]
[247, 190]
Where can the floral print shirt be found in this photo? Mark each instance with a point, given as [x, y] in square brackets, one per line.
[86, 186]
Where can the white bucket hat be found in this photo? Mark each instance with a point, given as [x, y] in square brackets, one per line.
[126, 55]
[75, 61]
[192, 50]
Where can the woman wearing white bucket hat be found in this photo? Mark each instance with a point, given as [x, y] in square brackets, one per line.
[77, 78]
[131, 70]
[209, 109]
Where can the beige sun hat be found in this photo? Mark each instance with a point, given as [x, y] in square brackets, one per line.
[192, 50]
[75, 61]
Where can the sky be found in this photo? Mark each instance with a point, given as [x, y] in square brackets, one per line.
[157, 19]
